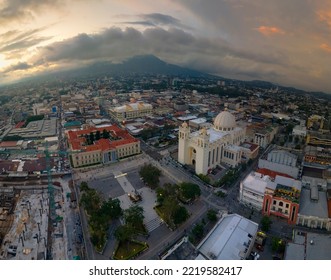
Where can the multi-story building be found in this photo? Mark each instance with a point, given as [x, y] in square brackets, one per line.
[315, 209]
[281, 199]
[131, 111]
[280, 161]
[252, 189]
[206, 148]
[265, 136]
[119, 144]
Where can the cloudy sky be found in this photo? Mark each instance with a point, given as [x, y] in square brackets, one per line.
[282, 41]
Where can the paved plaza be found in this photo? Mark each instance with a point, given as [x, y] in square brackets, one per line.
[121, 179]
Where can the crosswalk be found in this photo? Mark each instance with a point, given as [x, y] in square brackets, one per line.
[153, 224]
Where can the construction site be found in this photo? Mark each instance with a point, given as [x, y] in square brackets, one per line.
[33, 222]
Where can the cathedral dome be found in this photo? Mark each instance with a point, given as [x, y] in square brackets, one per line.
[225, 121]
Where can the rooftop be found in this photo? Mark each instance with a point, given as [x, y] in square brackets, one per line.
[258, 182]
[229, 238]
[317, 208]
[309, 246]
[120, 136]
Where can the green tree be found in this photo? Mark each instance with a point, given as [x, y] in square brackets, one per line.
[134, 216]
[212, 215]
[198, 231]
[151, 175]
[92, 137]
[84, 186]
[204, 178]
[105, 134]
[124, 233]
[97, 135]
[189, 191]
[180, 215]
[278, 245]
[112, 208]
[265, 223]
[169, 205]
[160, 195]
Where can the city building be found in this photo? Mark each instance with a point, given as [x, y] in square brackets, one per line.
[282, 198]
[206, 148]
[308, 246]
[232, 238]
[318, 138]
[314, 211]
[36, 129]
[119, 144]
[131, 111]
[252, 189]
[249, 151]
[299, 130]
[280, 161]
[265, 136]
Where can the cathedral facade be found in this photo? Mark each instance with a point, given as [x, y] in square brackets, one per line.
[207, 148]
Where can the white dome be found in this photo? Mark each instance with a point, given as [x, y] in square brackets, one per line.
[225, 121]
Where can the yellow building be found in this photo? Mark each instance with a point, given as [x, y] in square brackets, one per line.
[119, 144]
[131, 111]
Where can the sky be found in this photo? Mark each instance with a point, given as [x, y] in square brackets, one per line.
[287, 42]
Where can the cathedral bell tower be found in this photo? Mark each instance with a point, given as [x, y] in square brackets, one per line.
[183, 143]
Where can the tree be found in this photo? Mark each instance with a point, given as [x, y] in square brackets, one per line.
[169, 205]
[265, 223]
[204, 178]
[212, 215]
[198, 231]
[277, 245]
[84, 186]
[180, 215]
[160, 195]
[134, 216]
[97, 135]
[124, 233]
[151, 175]
[189, 191]
[105, 134]
[112, 208]
[91, 137]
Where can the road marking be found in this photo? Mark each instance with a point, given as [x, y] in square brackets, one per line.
[120, 175]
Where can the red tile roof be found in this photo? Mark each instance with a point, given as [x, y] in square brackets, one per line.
[78, 141]
[271, 173]
[6, 144]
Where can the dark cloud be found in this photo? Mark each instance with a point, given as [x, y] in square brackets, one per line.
[156, 20]
[17, 10]
[173, 45]
[139, 22]
[23, 44]
[161, 19]
[17, 66]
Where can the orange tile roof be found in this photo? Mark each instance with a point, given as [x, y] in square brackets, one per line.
[271, 173]
[8, 144]
[77, 140]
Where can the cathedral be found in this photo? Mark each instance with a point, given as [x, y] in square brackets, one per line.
[206, 148]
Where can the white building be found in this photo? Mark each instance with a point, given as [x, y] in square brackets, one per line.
[207, 148]
[280, 161]
[252, 189]
[232, 238]
[299, 130]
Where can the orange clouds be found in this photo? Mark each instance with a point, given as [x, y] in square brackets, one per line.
[325, 16]
[270, 30]
[326, 47]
